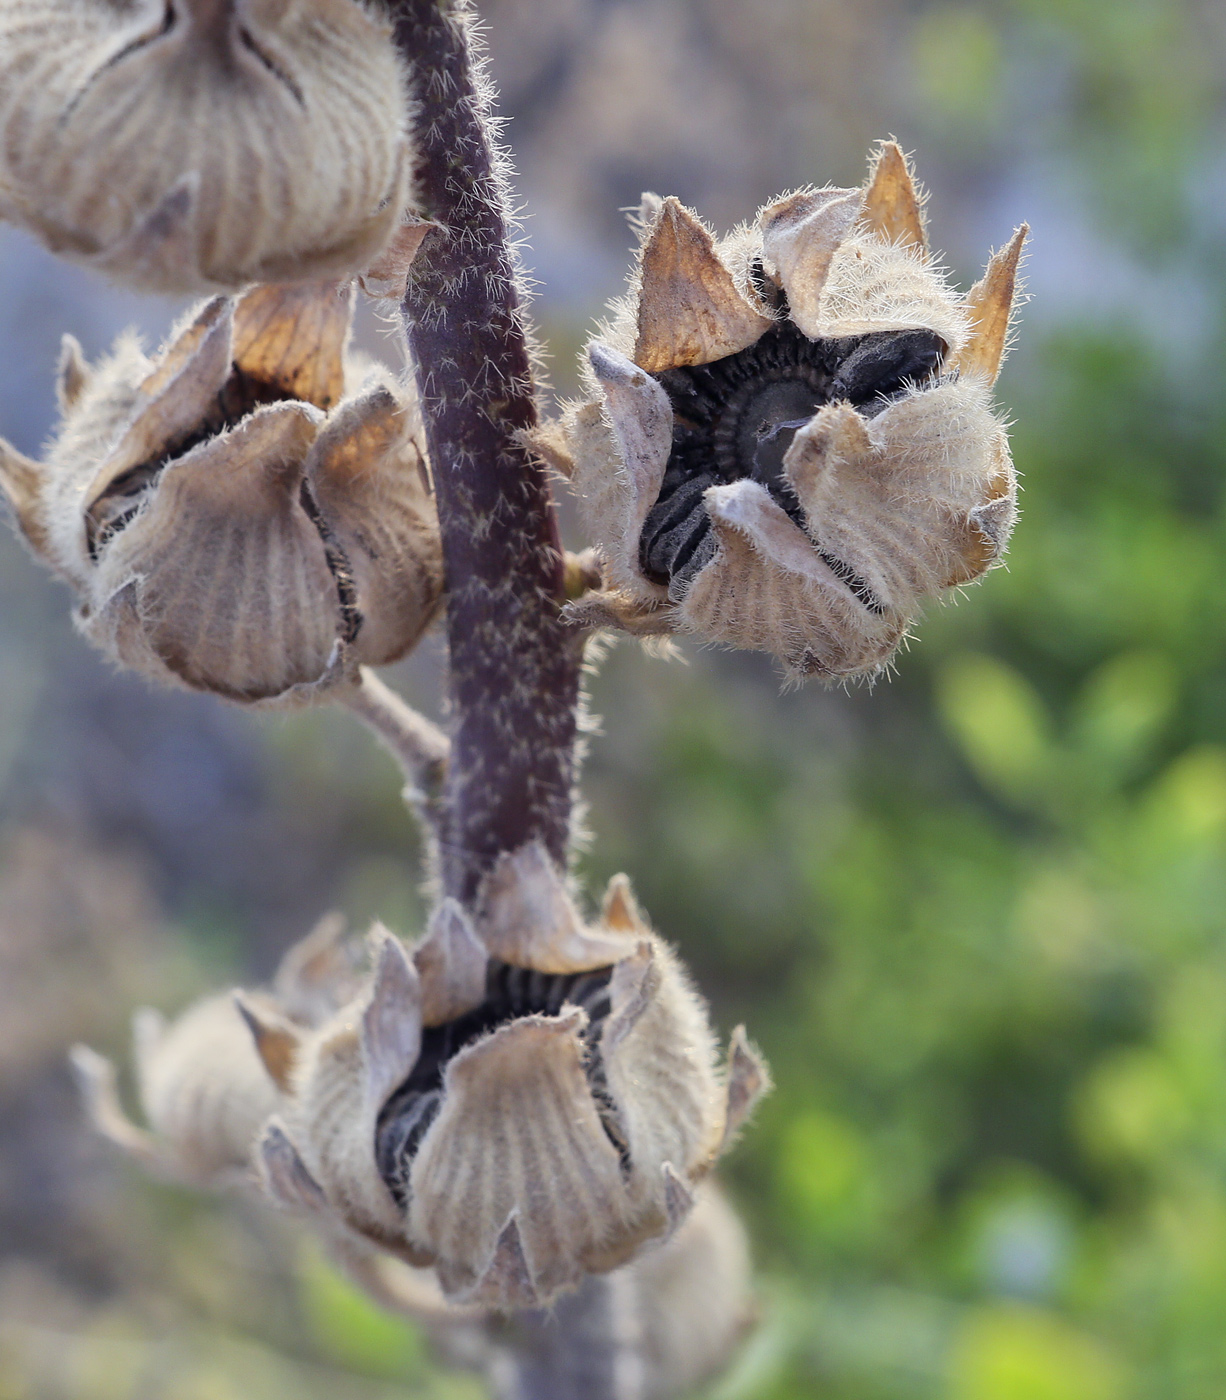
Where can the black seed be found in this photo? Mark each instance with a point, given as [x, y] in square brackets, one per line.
[883, 363]
[510, 993]
[736, 418]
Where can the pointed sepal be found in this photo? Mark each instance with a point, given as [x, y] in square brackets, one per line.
[619, 910]
[392, 1018]
[277, 1041]
[284, 1174]
[678, 1200]
[893, 207]
[748, 1082]
[690, 310]
[527, 917]
[635, 981]
[73, 374]
[451, 962]
[20, 485]
[989, 304]
[507, 1283]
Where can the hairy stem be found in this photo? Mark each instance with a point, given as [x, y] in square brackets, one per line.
[585, 1348]
[514, 667]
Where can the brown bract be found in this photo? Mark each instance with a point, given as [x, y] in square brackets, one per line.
[230, 520]
[126, 131]
[823, 554]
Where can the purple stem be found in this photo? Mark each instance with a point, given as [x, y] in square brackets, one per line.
[514, 667]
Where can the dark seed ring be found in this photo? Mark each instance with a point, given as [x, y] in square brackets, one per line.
[736, 418]
[510, 993]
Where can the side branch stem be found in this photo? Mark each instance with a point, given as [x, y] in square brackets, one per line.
[514, 667]
[417, 743]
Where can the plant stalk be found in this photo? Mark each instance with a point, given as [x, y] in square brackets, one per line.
[514, 667]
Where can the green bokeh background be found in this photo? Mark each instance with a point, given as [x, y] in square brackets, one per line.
[975, 916]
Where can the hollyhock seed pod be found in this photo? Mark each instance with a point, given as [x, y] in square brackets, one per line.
[198, 145]
[204, 1086]
[517, 1108]
[790, 439]
[228, 519]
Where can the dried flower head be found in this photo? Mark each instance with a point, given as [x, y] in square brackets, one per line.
[694, 1300]
[790, 440]
[519, 1108]
[229, 521]
[196, 145]
[204, 1088]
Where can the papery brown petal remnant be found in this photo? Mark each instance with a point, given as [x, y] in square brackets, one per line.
[690, 310]
[799, 482]
[892, 205]
[229, 519]
[202, 145]
[990, 303]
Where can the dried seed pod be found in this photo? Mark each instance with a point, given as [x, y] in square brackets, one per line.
[693, 1300]
[196, 145]
[209, 1079]
[790, 439]
[515, 1123]
[203, 1089]
[229, 520]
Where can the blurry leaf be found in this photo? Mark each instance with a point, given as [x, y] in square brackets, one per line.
[957, 61]
[1122, 708]
[350, 1329]
[825, 1176]
[1187, 803]
[1017, 1353]
[1131, 1109]
[999, 722]
[1059, 916]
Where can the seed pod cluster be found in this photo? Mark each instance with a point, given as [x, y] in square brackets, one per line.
[197, 145]
[790, 440]
[230, 520]
[517, 1108]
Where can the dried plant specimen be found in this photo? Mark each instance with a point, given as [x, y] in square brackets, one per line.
[230, 520]
[125, 130]
[204, 1086]
[790, 440]
[515, 1109]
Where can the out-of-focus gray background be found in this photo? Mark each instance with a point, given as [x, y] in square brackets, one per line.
[976, 916]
